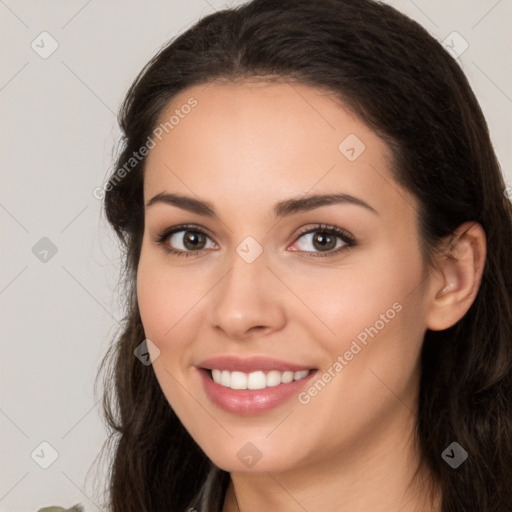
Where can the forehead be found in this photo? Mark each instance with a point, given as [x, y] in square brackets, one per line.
[257, 140]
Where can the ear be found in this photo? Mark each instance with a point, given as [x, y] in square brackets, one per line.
[459, 275]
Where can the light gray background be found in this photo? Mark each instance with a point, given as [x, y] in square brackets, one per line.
[58, 133]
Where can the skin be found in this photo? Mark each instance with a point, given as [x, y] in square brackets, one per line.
[243, 148]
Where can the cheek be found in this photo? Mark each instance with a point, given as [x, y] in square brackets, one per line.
[165, 296]
[164, 302]
[352, 299]
[382, 328]
[372, 358]
[156, 309]
[375, 330]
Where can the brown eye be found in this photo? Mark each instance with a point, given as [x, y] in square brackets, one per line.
[183, 240]
[193, 240]
[324, 239]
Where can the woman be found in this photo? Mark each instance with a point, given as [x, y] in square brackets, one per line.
[318, 266]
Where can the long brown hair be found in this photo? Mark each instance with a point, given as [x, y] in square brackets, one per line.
[402, 83]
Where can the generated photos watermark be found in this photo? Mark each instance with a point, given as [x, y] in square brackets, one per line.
[344, 359]
[139, 155]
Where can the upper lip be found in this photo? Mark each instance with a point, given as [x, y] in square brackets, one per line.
[250, 364]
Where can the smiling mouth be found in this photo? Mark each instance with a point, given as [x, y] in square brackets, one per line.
[255, 380]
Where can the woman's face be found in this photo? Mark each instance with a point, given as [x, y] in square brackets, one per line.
[268, 288]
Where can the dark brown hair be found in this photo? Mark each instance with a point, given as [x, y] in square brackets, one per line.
[400, 81]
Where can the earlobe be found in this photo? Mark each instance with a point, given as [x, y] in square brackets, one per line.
[460, 276]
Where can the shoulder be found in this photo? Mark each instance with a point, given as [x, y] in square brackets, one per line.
[75, 508]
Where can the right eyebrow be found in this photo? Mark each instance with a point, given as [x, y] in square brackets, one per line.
[184, 202]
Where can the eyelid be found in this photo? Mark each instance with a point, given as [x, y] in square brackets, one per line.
[342, 233]
[167, 232]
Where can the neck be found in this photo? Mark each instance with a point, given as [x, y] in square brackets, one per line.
[376, 475]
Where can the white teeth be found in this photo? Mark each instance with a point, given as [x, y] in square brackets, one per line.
[256, 380]
[274, 378]
[300, 375]
[288, 376]
[238, 380]
[225, 378]
[216, 374]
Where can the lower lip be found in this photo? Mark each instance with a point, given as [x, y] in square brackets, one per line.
[248, 402]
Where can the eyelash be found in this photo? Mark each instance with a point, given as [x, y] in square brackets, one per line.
[348, 239]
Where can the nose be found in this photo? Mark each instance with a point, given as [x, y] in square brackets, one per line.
[248, 301]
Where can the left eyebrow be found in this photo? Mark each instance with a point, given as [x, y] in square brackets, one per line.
[281, 209]
[304, 204]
